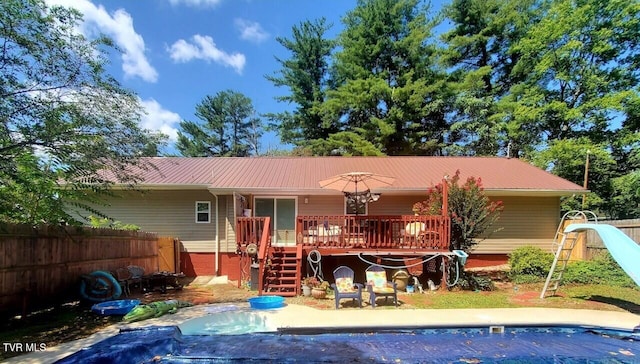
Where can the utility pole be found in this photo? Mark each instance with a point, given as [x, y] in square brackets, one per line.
[586, 178]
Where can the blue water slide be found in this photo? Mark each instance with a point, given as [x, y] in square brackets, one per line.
[624, 250]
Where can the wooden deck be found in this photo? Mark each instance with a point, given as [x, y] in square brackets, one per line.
[279, 267]
[388, 233]
[343, 233]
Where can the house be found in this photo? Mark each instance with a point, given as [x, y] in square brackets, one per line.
[217, 208]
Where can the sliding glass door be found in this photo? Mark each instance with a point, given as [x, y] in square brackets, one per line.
[282, 211]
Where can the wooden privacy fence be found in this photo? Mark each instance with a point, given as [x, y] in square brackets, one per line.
[630, 227]
[43, 265]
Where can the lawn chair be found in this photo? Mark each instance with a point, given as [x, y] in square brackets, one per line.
[378, 285]
[124, 277]
[412, 234]
[345, 287]
[137, 277]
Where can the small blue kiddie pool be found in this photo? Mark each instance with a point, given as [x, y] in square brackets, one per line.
[266, 302]
[117, 307]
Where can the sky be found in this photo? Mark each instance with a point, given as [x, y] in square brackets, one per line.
[174, 53]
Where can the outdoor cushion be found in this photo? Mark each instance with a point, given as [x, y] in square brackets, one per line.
[377, 285]
[383, 290]
[414, 228]
[378, 279]
[345, 287]
[345, 284]
[379, 282]
[332, 230]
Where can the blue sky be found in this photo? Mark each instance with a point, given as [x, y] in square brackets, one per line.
[176, 52]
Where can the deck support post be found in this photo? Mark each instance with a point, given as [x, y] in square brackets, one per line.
[443, 283]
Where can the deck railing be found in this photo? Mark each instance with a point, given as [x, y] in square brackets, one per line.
[249, 230]
[374, 231]
[350, 231]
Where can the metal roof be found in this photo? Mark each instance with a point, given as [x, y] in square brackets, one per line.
[302, 174]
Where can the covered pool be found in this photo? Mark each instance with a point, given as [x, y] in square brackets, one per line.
[246, 336]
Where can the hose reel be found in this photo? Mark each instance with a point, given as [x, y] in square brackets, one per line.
[252, 249]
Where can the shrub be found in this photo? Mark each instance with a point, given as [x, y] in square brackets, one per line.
[469, 281]
[602, 269]
[472, 213]
[97, 222]
[529, 262]
[526, 279]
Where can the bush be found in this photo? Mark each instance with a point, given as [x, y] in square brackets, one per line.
[530, 261]
[602, 269]
[472, 213]
[527, 279]
[97, 222]
[469, 281]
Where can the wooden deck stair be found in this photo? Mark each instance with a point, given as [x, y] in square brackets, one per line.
[282, 271]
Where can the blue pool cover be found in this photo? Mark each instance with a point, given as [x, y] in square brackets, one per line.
[468, 345]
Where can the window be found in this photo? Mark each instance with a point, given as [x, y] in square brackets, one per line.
[203, 212]
[352, 200]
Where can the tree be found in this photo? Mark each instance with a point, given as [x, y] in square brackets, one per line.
[69, 130]
[567, 159]
[387, 88]
[479, 58]
[228, 128]
[306, 76]
[578, 67]
[472, 213]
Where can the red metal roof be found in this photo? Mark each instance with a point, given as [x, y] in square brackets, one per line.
[302, 174]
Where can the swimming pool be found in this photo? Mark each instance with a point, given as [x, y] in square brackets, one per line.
[241, 335]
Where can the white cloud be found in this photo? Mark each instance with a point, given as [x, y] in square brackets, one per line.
[159, 119]
[251, 31]
[204, 48]
[118, 26]
[197, 3]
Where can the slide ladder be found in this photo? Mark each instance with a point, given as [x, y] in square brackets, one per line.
[563, 243]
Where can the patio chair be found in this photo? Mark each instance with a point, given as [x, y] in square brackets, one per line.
[137, 276]
[412, 232]
[345, 287]
[124, 277]
[379, 286]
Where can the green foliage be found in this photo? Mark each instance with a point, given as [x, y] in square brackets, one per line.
[470, 281]
[98, 222]
[385, 84]
[527, 279]
[567, 158]
[625, 203]
[477, 52]
[472, 212]
[345, 144]
[69, 130]
[530, 261]
[602, 269]
[306, 76]
[228, 128]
